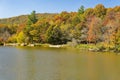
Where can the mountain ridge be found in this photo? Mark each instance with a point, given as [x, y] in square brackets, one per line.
[23, 18]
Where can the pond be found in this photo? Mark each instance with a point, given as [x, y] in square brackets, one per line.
[42, 63]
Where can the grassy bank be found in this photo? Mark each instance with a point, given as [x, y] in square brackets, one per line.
[98, 48]
[90, 47]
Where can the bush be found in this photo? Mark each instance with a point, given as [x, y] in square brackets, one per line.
[117, 48]
[1, 43]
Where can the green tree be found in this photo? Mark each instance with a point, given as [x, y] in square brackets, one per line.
[29, 27]
[66, 33]
[89, 12]
[35, 35]
[81, 10]
[12, 39]
[53, 35]
[21, 37]
[32, 18]
[49, 34]
[100, 10]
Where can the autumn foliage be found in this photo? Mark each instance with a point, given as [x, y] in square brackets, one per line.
[91, 25]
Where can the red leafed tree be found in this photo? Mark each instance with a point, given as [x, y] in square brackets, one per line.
[94, 32]
[112, 25]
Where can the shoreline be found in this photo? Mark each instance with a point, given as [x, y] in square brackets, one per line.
[88, 47]
[34, 45]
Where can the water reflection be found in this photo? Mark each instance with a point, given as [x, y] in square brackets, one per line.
[57, 64]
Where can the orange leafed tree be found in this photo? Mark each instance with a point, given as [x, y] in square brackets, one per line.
[94, 31]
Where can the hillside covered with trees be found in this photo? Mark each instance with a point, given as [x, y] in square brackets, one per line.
[98, 25]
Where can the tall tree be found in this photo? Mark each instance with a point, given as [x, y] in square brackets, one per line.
[89, 12]
[94, 32]
[31, 20]
[54, 35]
[21, 37]
[100, 10]
[81, 10]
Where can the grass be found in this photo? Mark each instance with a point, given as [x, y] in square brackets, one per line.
[88, 46]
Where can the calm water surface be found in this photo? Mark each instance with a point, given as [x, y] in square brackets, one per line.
[25, 63]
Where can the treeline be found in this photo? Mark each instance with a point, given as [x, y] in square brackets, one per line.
[23, 18]
[98, 25]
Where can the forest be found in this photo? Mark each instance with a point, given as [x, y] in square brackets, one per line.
[98, 25]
